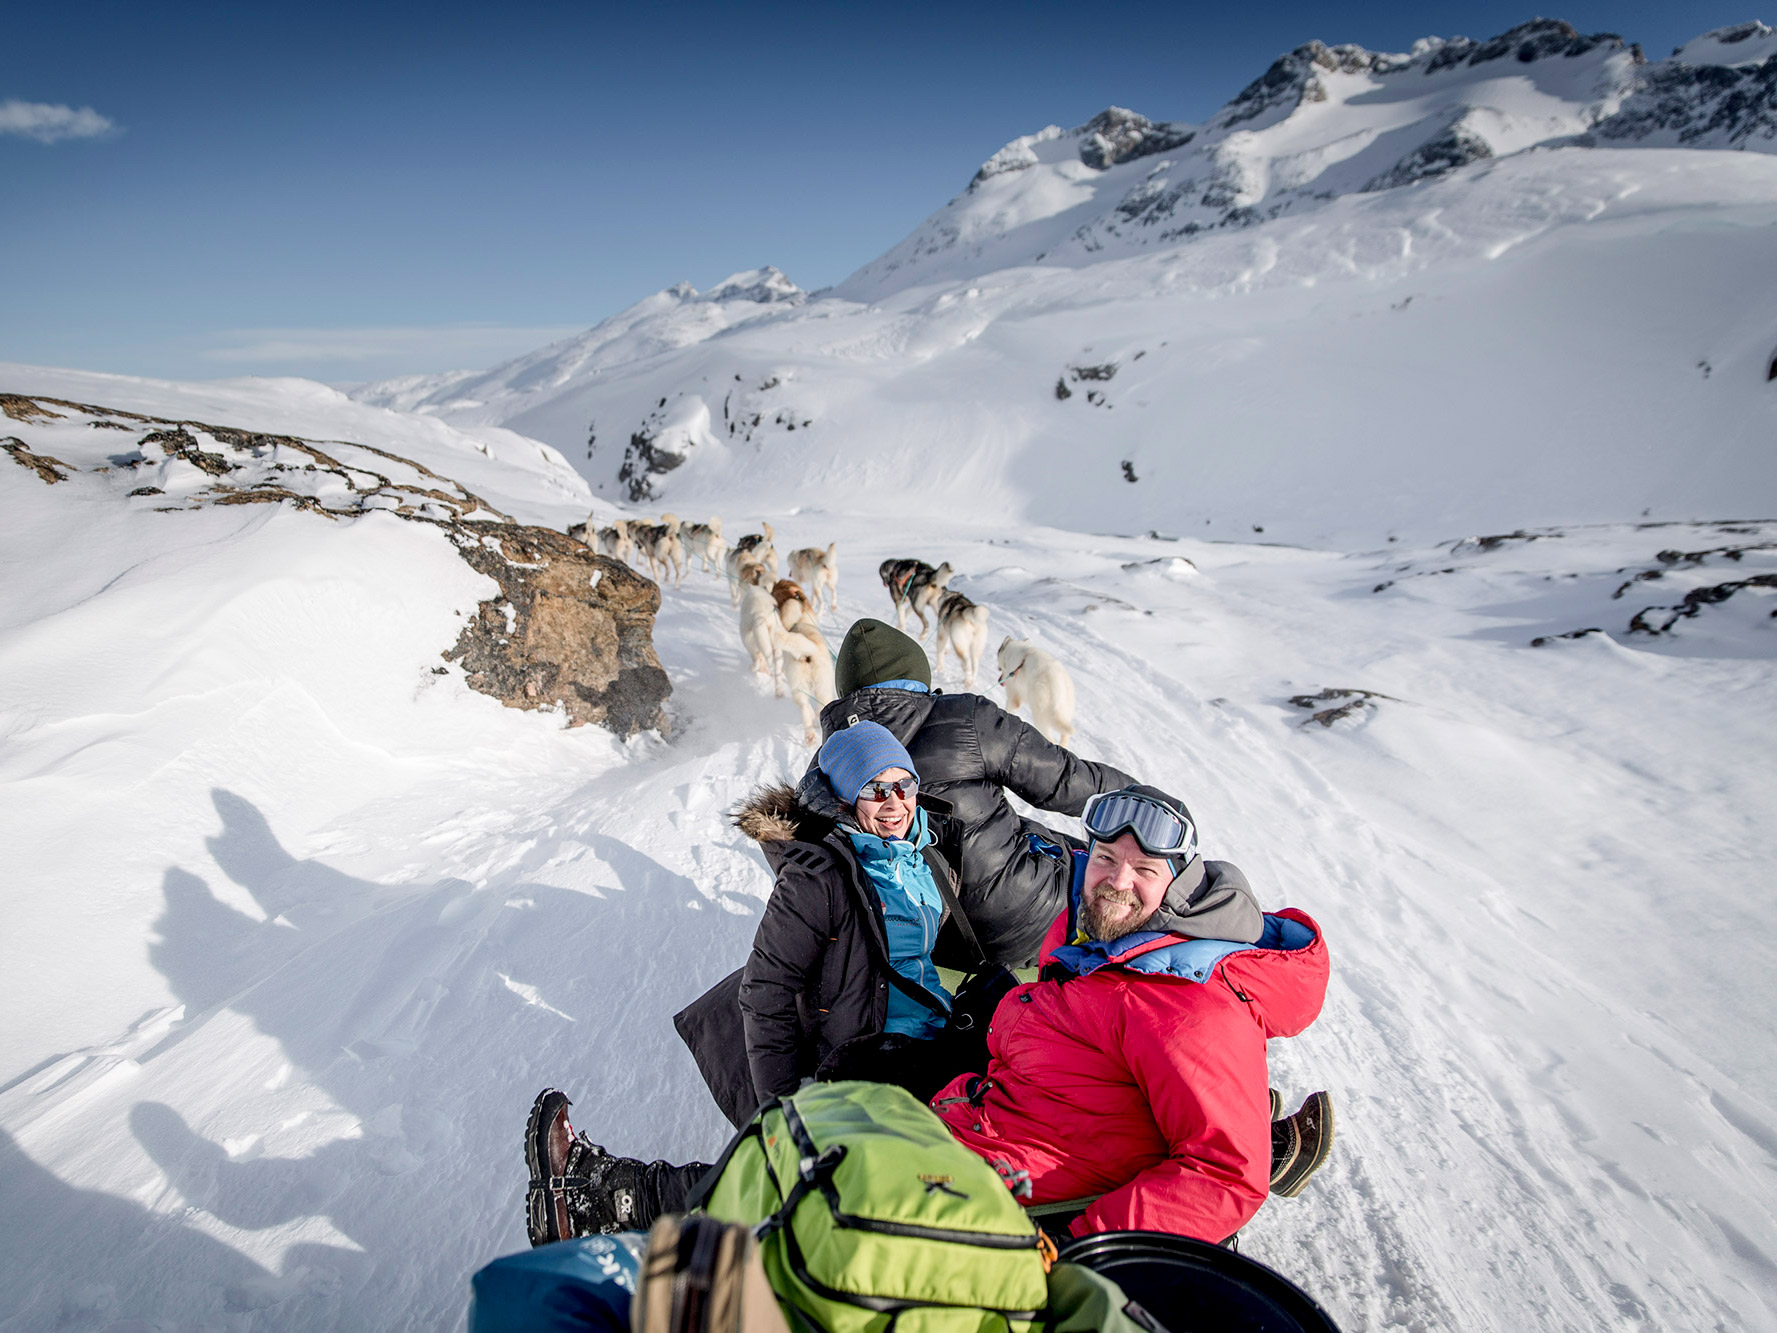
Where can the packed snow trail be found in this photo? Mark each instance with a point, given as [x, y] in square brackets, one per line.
[1554, 1095]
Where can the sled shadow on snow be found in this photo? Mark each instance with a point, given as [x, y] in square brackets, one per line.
[421, 1019]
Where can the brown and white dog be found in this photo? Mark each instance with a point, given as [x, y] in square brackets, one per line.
[818, 572]
[792, 602]
[962, 627]
[1032, 676]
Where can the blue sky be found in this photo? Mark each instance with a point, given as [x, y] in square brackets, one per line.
[353, 191]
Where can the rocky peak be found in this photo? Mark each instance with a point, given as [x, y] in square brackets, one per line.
[766, 286]
[1115, 135]
[1539, 39]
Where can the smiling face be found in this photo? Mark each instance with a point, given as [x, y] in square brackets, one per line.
[1122, 889]
[889, 818]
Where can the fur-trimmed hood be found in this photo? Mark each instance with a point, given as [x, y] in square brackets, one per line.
[773, 814]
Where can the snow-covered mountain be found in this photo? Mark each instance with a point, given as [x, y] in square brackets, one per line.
[1496, 230]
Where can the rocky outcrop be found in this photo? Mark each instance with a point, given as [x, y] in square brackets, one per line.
[1115, 135]
[569, 630]
[1701, 105]
[1455, 147]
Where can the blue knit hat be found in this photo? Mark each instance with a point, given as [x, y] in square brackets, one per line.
[850, 758]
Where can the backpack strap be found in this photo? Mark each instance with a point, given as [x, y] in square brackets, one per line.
[942, 875]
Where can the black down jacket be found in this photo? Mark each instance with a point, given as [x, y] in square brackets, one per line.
[817, 975]
[968, 749]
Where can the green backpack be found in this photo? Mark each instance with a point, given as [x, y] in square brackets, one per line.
[871, 1218]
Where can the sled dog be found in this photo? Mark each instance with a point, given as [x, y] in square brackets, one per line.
[660, 546]
[1032, 676]
[753, 549]
[760, 627]
[616, 542]
[962, 627]
[704, 540]
[792, 602]
[818, 572]
[759, 544]
[914, 586]
[808, 674]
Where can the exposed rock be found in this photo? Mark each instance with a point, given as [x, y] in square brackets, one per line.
[1656, 620]
[570, 630]
[1455, 147]
[1115, 135]
[1698, 106]
[1543, 640]
[1497, 540]
[50, 469]
[1349, 704]
[643, 461]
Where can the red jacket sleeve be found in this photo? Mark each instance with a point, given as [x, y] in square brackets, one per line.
[1199, 1060]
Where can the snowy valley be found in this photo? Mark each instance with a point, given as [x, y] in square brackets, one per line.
[1390, 460]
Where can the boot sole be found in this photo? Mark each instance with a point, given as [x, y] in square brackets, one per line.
[546, 1210]
[1312, 1128]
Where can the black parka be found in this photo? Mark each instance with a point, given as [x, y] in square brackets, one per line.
[970, 752]
[818, 975]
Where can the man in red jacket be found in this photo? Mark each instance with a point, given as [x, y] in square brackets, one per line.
[1131, 1079]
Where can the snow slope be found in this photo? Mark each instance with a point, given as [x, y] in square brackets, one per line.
[297, 928]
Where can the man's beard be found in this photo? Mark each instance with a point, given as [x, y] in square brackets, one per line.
[1103, 916]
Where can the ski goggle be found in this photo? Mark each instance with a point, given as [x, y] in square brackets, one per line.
[1158, 828]
[905, 788]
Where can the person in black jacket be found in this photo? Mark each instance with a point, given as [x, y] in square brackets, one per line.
[1014, 872]
[842, 979]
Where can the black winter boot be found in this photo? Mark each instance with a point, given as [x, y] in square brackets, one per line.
[1300, 1144]
[577, 1188]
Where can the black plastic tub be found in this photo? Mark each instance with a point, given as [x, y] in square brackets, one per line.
[1194, 1287]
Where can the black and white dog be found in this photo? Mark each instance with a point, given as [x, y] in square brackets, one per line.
[916, 586]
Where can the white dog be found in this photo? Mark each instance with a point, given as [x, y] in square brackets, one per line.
[818, 573]
[1031, 676]
[962, 627]
[616, 542]
[704, 540]
[808, 673]
[760, 627]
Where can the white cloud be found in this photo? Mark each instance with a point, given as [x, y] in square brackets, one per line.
[47, 123]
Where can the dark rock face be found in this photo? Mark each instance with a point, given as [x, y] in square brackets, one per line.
[644, 460]
[570, 629]
[1699, 105]
[1115, 135]
[1455, 147]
